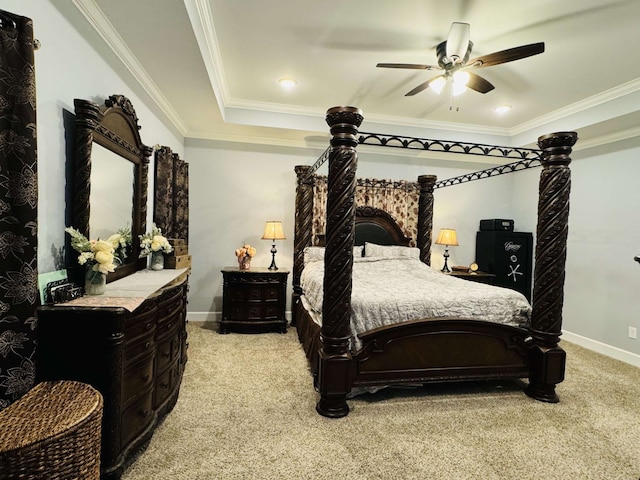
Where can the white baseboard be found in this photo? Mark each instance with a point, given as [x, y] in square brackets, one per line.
[204, 316]
[603, 348]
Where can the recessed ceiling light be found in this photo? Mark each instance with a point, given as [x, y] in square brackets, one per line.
[502, 109]
[287, 82]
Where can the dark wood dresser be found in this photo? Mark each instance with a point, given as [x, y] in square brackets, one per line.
[134, 358]
[253, 301]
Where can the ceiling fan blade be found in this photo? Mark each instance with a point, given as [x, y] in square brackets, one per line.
[421, 87]
[413, 66]
[508, 55]
[479, 84]
[458, 41]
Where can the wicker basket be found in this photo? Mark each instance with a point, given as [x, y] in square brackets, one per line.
[52, 433]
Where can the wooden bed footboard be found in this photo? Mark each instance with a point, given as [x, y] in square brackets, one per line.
[427, 351]
[438, 350]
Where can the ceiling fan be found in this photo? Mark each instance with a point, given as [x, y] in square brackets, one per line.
[453, 59]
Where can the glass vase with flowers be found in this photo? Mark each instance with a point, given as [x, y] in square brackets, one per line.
[155, 244]
[99, 257]
[244, 256]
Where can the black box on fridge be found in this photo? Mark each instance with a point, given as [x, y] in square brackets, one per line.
[509, 256]
[496, 224]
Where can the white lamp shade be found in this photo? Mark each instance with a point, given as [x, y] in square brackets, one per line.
[273, 231]
[447, 236]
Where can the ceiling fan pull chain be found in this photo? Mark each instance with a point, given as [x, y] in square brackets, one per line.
[451, 105]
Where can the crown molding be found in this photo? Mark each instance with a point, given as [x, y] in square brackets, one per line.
[205, 32]
[103, 27]
[594, 101]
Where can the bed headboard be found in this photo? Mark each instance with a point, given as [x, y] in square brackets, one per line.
[377, 226]
[374, 225]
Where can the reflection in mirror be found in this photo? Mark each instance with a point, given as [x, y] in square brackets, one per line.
[111, 198]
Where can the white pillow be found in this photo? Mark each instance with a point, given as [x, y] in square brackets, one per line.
[313, 254]
[390, 251]
[316, 254]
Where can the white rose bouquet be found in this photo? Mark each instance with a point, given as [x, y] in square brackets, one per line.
[154, 242]
[99, 254]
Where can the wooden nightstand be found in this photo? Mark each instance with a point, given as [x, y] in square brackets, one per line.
[253, 301]
[480, 277]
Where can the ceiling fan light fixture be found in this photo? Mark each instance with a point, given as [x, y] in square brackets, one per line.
[438, 84]
[457, 44]
[460, 80]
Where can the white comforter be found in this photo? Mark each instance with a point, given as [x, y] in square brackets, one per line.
[387, 291]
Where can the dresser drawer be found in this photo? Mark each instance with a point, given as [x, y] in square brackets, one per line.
[165, 384]
[170, 298]
[168, 351]
[139, 346]
[137, 378]
[140, 324]
[136, 418]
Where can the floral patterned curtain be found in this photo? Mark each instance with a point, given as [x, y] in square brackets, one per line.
[171, 202]
[399, 198]
[19, 296]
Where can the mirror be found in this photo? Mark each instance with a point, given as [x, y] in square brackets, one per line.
[109, 184]
[110, 211]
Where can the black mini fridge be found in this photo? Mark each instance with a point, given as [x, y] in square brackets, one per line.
[509, 256]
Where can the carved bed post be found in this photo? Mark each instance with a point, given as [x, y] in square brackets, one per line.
[547, 359]
[303, 230]
[425, 216]
[335, 362]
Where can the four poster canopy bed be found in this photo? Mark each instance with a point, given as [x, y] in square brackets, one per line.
[436, 328]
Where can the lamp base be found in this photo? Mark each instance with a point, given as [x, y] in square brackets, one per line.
[273, 265]
[446, 269]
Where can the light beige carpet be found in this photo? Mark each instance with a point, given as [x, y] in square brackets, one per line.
[247, 411]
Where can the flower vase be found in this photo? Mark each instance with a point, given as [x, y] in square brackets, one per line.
[95, 282]
[157, 260]
[244, 263]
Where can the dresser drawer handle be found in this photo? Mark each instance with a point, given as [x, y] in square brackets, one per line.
[164, 385]
[147, 345]
[144, 413]
[148, 326]
[166, 354]
[146, 377]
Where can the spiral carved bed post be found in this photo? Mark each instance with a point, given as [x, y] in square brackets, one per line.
[303, 230]
[425, 216]
[335, 363]
[547, 359]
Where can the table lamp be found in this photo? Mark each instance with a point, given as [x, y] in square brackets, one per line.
[447, 237]
[273, 231]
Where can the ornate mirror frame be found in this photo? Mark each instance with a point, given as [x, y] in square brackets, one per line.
[114, 126]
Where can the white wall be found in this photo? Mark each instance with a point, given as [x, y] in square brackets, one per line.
[67, 67]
